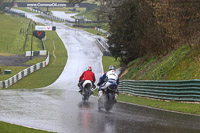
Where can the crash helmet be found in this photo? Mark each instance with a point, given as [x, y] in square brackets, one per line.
[111, 67]
[89, 68]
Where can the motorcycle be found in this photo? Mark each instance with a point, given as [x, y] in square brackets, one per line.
[87, 90]
[107, 100]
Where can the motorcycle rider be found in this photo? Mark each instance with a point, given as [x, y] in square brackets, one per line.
[87, 75]
[106, 79]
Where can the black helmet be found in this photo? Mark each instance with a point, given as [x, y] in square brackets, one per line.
[111, 67]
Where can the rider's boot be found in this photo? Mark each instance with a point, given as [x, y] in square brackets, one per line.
[81, 89]
[100, 94]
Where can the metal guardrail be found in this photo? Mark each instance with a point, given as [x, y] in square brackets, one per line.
[103, 47]
[14, 13]
[179, 90]
[102, 31]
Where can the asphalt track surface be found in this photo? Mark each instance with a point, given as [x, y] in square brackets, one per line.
[59, 108]
[15, 60]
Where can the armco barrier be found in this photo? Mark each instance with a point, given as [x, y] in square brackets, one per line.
[36, 53]
[25, 72]
[179, 90]
[102, 31]
[103, 46]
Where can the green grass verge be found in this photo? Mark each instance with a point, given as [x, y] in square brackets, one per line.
[90, 30]
[80, 9]
[12, 38]
[93, 31]
[108, 60]
[103, 26]
[10, 26]
[14, 70]
[24, 9]
[39, 16]
[48, 75]
[17, 69]
[91, 15]
[11, 128]
[191, 108]
[15, 28]
[35, 60]
[180, 64]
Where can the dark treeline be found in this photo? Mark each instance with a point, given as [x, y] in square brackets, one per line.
[2, 6]
[141, 27]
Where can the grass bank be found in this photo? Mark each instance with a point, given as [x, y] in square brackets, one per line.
[12, 39]
[108, 60]
[180, 64]
[65, 9]
[39, 16]
[14, 28]
[14, 70]
[90, 30]
[11, 128]
[48, 75]
[24, 9]
[92, 15]
[183, 107]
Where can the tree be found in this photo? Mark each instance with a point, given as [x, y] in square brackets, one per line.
[135, 32]
[106, 7]
[188, 16]
[140, 27]
[2, 2]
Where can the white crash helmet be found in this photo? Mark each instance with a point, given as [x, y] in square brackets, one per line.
[111, 67]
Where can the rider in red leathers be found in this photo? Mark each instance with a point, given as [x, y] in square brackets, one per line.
[87, 75]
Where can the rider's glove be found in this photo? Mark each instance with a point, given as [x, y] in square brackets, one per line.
[98, 84]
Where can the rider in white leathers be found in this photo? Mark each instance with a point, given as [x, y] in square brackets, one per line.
[108, 78]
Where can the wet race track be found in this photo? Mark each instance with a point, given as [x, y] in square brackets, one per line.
[59, 107]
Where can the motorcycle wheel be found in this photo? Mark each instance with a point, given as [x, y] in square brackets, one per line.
[110, 102]
[101, 103]
[85, 95]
